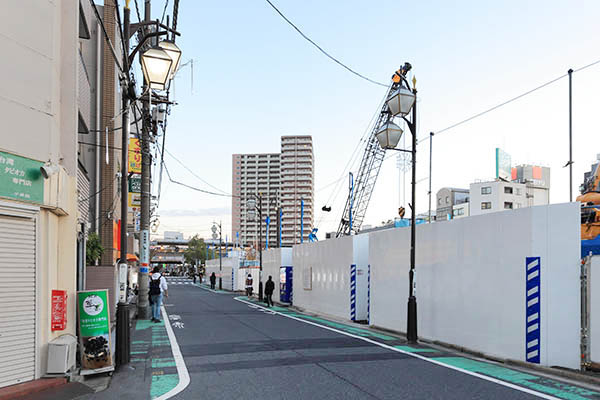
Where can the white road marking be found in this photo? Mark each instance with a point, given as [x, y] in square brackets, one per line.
[184, 376]
[385, 346]
[178, 325]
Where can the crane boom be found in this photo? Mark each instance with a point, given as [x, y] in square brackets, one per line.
[358, 199]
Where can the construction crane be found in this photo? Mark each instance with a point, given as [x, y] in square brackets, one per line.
[362, 184]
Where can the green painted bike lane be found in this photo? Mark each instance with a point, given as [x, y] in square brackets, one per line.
[539, 384]
[151, 349]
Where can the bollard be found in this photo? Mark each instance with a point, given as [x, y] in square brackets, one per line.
[122, 351]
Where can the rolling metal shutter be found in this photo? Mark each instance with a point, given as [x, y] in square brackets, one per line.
[17, 300]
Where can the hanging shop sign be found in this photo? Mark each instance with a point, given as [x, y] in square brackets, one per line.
[94, 329]
[135, 156]
[135, 200]
[20, 178]
[58, 315]
[135, 184]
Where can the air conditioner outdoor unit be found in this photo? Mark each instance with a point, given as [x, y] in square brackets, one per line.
[61, 354]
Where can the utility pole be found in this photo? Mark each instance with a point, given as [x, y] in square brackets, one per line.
[125, 139]
[220, 258]
[260, 284]
[570, 136]
[430, 164]
[143, 304]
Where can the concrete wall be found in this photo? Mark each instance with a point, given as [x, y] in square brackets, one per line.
[471, 281]
[229, 264]
[273, 260]
[321, 276]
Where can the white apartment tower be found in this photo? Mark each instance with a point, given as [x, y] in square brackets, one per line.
[283, 180]
[253, 175]
[297, 186]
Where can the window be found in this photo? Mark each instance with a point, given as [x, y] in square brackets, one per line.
[447, 199]
[486, 205]
[439, 201]
[508, 190]
[486, 190]
[508, 205]
[458, 211]
[517, 205]
[518, 192]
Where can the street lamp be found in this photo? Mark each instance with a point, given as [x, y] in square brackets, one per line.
[218, 228]
[156, 65]
[174, 53]
[400, 104]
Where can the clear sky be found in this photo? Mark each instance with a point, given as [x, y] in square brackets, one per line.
[256, 79]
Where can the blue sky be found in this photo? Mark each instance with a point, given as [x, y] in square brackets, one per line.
[256, 79]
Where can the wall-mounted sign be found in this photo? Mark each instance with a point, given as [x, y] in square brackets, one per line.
[20, 178]
[58, 315]
[135, 156]
[503, 165]
[135, 184]
[135, 200]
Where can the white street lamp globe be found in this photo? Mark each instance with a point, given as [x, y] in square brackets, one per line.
[174, 52]
[401, 101]
[389, 135]
[214, 229]
[156, 65]
[251, 203]
[251, 215]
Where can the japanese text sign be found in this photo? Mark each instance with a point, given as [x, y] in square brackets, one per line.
[20, 178]
[135, 156]
[59, 310]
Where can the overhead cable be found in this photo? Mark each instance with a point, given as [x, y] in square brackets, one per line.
[482, 113]
[193, 187]
[323, 51]
[110, 45]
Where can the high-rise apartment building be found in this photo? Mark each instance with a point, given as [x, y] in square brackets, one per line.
[254, 174]
[283, 180]
[297, 186]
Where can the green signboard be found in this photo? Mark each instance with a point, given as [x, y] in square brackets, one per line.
[94, 329]
[135, 184]
[20, 178]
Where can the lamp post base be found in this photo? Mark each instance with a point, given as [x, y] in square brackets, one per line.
[260, 291]
[411, 325]
[220, 283]
[143, 311]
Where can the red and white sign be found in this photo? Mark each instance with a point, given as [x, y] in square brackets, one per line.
[58, 316]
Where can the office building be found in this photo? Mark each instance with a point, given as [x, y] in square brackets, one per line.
[447, 198]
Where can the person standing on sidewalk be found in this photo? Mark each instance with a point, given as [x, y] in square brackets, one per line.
[249, 285]
[213, 281]
[269, 289]
[158, 288]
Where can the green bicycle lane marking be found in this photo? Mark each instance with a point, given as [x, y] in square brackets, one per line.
[537, 383]
[163, 380]
[540, 384]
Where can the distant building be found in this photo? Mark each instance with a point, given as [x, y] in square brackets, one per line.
[537, 180]
[447, 198]
[493, 196]
[460, 210]
[173, 235]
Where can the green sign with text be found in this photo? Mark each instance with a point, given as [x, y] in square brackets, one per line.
[20, 178]
[94, 329]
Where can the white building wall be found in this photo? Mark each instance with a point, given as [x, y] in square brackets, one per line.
[497, 198]
[324, 269]
[271, 265]
[470, 281]
[594, 309]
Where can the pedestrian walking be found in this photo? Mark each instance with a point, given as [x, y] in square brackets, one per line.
[158, 288]
[249, 285]
[194, 277]
[269, 289]
[213, 281]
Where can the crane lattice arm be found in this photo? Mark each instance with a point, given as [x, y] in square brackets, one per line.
[364, 181]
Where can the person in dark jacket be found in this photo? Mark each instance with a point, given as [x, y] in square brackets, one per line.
[269, 288]
[213, 280]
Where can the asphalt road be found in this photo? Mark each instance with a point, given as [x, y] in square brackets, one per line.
[233, 350]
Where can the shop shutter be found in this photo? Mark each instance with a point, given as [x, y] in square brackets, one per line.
[17, 300]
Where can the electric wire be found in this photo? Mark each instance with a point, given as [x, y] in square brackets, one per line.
[321, 49]
[137, 10]
[193, 173]
[164, 11]
[482, 113]
[110, 45]
[193, 187]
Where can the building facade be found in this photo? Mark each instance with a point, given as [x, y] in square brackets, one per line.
[297, 188]
[494, 196]
[38, 208]
[446, 199]
[284, 181]
[254, 175]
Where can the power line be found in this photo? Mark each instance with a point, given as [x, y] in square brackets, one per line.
[194, 188]
[323, 51]
[164, 11]
[482, 113]
[110, 45]
[193, 173]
